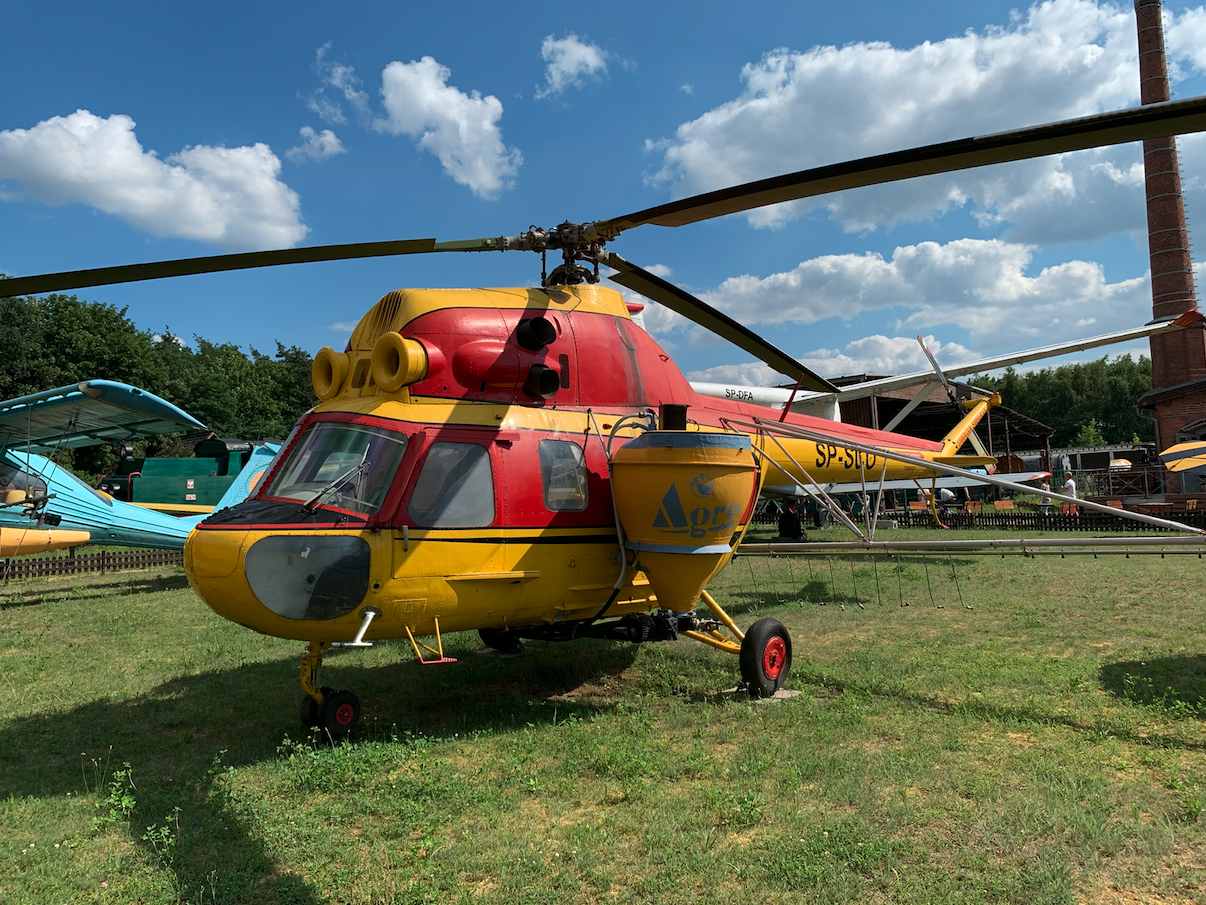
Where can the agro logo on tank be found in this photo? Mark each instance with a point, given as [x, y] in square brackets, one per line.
[672, 518]
[701, 486]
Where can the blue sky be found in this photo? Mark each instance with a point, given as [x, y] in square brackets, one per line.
[141, 131]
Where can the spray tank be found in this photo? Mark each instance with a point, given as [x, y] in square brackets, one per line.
[683, 496]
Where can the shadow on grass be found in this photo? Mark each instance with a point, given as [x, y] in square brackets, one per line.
[1175, 686]
[16, 595]
[181, 736]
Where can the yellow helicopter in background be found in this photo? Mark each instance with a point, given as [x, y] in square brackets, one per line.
[529, 463]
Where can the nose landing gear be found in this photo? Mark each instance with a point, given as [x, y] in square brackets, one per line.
[333, 713]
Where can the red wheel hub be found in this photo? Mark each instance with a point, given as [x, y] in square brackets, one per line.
[774, 657]
[344, 714]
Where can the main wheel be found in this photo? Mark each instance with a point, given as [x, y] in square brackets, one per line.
[338, 714]
[765, 657]
[502, 641]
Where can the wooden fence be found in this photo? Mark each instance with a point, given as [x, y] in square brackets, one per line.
[74, 563]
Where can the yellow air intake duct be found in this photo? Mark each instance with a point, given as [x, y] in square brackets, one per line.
[681, 496]
[398, 362]
[328, 372]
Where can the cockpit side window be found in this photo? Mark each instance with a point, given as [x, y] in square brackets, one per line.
[14, 480]
[455, 488]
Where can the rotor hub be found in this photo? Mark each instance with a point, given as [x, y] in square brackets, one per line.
[579, 244]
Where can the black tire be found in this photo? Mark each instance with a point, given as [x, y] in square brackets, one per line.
[309, 709]
[338, 714]
[765, 657]
[502, 641]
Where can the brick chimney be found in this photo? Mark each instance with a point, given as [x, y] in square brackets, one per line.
[1178, 396]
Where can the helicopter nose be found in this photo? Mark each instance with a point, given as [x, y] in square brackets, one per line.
[279, 583]
[211, 562]
[212, 554]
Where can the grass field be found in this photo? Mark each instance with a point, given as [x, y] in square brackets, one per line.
[1045, 745]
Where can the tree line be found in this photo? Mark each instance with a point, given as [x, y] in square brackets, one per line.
[1088, 404]
[57, 340]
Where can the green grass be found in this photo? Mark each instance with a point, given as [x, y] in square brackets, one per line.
[1046, 745]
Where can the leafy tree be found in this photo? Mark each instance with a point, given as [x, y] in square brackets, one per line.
[59, 340]
[1067, 398]
[1089, 435]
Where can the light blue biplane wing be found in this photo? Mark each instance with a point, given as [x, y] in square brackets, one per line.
[86, 414]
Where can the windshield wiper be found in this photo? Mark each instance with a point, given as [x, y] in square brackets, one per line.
[357, 470]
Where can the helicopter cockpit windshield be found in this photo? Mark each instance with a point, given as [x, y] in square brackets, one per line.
[350, 466]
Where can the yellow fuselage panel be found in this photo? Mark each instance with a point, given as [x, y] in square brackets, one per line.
[491, 578]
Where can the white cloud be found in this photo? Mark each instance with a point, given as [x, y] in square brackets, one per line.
[231, 197]
[1063, 58]
[316, 146]
[875, 355]
[460, 129]
[979, 286]
[569, 60]
[686, 88]
[339, 85]
[342, 327]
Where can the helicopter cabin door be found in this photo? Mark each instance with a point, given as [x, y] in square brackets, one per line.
[447, 539]
[561, 546]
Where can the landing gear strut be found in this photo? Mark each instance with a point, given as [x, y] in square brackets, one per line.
[333, 713]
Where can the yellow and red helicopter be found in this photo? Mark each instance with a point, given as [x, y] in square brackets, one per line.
[529, 463]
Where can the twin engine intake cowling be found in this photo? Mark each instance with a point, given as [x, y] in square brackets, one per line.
[398, 361]
[498, 363]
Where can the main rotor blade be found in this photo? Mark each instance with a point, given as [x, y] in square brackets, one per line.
[155, 270]
[1117, 127]
[678, 300]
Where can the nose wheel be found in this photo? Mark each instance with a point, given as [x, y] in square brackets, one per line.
[335, 717]
[765, 657]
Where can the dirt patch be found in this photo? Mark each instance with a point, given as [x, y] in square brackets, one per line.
[604, 690]
[1167, 882]
[1131, 895]
[1020, 739]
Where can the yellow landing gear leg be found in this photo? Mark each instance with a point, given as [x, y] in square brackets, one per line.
[713, 636]
[765, 650]
[332, 713]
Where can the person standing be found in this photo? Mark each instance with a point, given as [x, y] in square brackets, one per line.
[1069, 490]
[790, 528]
[1045, 498]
